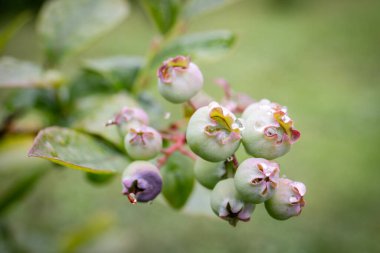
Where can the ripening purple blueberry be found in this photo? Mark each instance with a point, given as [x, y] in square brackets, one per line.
[256, 179]
[213, 133]
[179, 79]
[269, 132]
[143, 143]
[227, 203]
[141, 182]
[208, 173]
[287, 201]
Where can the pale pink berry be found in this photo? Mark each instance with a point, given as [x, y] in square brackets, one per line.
[256, 179]
[269, 131]
[143, 143]
[213, 133]
[287, 201]
[179, 79]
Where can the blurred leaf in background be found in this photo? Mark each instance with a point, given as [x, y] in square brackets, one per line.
[194, 8]
[16, 73]
[164, 13]
[207, 45]
[93, 227]
[18, 175]
[12, 28]
[67, 26]
[119, 71]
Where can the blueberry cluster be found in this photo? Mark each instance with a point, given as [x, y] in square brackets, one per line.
[214, 133]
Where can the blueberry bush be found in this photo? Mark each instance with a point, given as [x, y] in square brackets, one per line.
[105, 122]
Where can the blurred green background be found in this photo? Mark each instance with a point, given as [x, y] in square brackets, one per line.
[320, 58]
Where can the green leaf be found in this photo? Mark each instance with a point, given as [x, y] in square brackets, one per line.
[13, 27]
[67, 26]
[204, 45]
[178, 180]
[77, 150]
[164, 13]
[118, 71]
[93, 112]
[194, 8]
[19, 74]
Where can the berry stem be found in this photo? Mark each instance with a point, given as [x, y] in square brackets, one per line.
[231, 165]
[188, 153]
[234, 161]
[179, 142]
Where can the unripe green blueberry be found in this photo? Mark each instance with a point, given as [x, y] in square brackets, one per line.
[213, 133]
[263, 107]
[227, 203]
[179, 79]
[287, 201]
[143, 143]
[268, 131]
[141, 182]
[208, 173]
[256, 179]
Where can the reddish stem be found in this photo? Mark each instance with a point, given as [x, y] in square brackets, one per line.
[179, 142]
[188, 153]
[232, 159]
